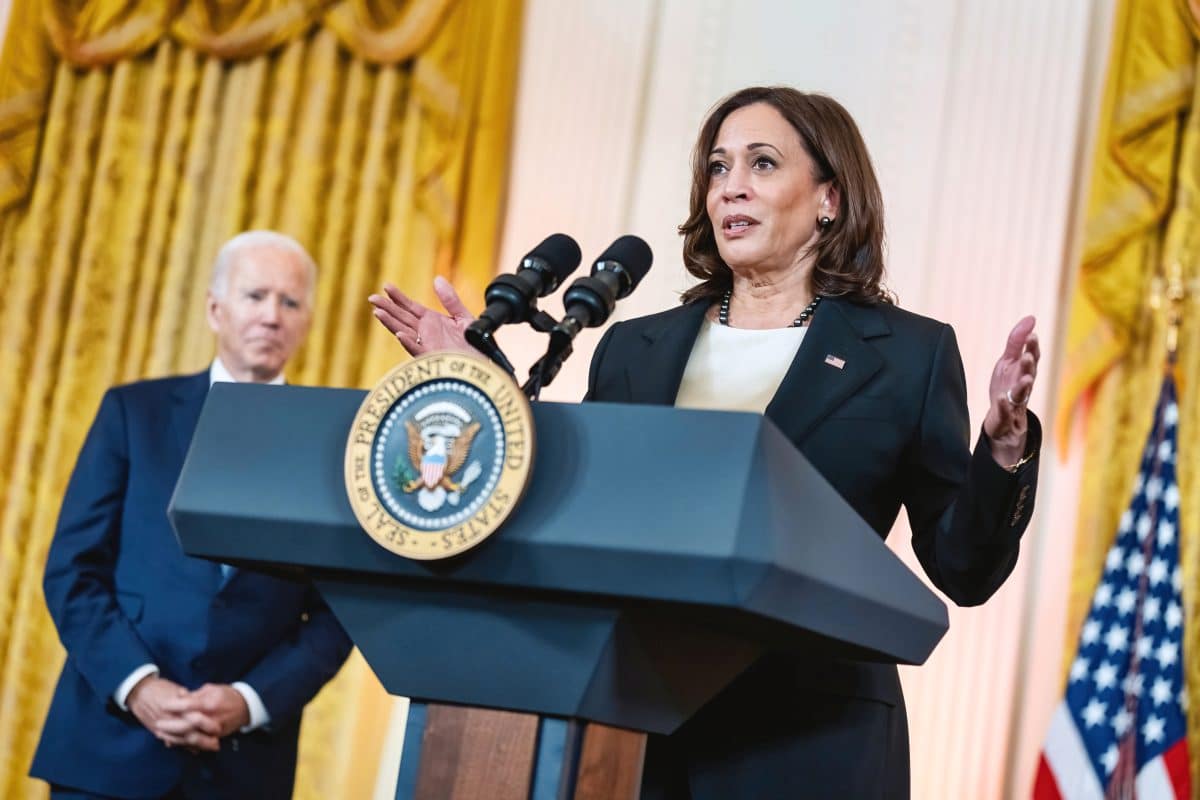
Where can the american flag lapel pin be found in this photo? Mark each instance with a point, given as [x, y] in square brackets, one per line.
[834, 361]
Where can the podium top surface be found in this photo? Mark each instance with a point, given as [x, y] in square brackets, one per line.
[640, 503]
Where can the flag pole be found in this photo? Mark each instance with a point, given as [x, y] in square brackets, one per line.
[1176, 293]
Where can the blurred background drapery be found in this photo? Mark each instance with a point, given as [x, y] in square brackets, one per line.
[137, 136]
[1141, 243]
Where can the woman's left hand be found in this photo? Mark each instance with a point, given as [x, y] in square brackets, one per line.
[1006, 424]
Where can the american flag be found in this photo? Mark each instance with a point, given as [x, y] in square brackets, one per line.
[1121, 732]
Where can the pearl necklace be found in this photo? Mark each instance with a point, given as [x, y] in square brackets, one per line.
[805, 315]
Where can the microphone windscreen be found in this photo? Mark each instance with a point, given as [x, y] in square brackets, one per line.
[632, 253]
[560, 252]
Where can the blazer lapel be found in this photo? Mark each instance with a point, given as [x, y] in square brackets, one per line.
[186, 402]
[832, 363]
[655, 378]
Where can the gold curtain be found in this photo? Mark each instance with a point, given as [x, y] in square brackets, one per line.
[135, 137]
[1142, 225]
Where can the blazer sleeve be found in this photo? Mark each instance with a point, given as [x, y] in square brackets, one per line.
[595, 390]
[967, 512]
[99, 639]
[292, 673]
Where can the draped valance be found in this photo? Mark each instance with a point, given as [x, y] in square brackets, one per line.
[97, 32]
[90, 34]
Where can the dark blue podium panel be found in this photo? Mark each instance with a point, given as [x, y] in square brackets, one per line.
[656, 553]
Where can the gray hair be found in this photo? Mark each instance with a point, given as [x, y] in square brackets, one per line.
[219, 283]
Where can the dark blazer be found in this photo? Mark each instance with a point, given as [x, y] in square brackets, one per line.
[888, 428]
[123, 594]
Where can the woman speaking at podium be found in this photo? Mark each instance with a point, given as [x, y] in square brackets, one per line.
[790, 318]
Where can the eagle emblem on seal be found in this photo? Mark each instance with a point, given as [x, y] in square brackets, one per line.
[439, 444]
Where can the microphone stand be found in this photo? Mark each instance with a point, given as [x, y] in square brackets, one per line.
[540, 374]
[486, 344]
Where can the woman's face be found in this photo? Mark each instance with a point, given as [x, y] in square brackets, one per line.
[763, 199]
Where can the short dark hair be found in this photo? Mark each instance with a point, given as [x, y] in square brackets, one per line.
[849, 253]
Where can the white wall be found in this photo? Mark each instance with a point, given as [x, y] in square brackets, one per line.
[975, 113]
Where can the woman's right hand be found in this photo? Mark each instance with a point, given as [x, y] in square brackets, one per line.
[419, 328]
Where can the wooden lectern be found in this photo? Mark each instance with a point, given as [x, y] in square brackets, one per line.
[657, 553]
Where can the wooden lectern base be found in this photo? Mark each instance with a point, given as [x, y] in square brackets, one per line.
[478, 754]
[610, 764]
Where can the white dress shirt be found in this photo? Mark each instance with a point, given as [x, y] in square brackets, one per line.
[218, 372]
[737, 369]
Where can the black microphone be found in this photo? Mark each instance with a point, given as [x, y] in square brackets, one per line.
[590, 301]
[615, 274]
[513, 298]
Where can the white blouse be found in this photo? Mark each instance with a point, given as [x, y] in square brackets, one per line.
[736, 369]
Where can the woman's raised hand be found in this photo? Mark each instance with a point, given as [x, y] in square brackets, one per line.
[419, 328]
[1006, 424]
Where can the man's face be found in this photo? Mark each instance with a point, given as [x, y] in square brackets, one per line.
[264, 313]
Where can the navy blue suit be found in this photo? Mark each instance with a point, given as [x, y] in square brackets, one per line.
[123, 594]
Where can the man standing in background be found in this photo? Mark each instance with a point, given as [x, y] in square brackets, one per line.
[183, 678]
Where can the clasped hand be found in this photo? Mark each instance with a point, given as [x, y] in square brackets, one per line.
[196, 720]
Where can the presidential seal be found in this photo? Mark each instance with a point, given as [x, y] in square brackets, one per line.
[439, 455]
